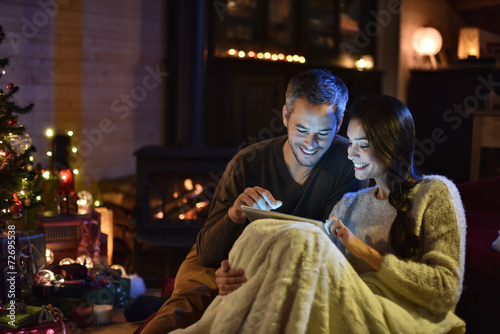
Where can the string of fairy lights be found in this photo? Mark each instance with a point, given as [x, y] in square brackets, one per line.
[49, 133]
[266, 55]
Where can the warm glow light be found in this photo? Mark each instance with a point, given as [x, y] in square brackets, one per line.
[188, 184]
[365, 62]
[468, 43]
[75, 171]
[49, 132]
[198, 189]
[360, 64]
[74, 150]
[107, 228]
[427, 41]
[49, 153]
[46, 174]
[70, 133]
[265, 56]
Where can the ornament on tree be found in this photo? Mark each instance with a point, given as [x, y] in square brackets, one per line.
[3, 150]
[16, 170]
[17, 210]
[20, 143]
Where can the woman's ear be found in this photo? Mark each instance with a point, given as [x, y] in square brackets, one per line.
[285, 116]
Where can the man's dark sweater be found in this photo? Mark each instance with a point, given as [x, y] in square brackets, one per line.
[263, 164]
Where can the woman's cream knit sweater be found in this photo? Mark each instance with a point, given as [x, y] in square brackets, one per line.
[433, 278]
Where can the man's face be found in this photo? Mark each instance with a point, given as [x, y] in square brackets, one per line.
[310, 129]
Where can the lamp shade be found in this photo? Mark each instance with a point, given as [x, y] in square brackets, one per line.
[468, 43]
[427, 41]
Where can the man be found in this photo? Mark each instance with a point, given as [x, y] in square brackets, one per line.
[304, 173]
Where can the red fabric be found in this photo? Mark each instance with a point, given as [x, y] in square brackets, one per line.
[480, 195]
[139, 330]
[167, 285]
[478, 305]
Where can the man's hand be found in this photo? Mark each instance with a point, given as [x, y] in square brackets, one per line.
[255, 197]
[228, 279]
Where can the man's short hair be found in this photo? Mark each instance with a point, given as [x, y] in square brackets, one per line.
[317, 86]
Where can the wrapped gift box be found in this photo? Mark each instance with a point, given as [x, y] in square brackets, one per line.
[69, 289]
[59, 327]
[29, 245]
[72, 271]
[16, 319]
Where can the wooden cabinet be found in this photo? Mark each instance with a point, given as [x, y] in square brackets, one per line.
[245, 98]
[314, 29]
[216, 100]
[439, 101]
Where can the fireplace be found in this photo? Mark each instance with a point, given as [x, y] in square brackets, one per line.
[174, 190]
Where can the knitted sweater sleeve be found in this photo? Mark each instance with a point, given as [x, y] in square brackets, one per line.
[433, 279]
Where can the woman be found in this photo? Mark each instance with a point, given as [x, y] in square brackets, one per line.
[406, 235]
[398, 263]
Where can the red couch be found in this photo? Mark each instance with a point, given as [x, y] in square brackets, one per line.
[479, 305]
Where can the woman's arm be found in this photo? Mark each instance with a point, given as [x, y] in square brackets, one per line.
[357, 247]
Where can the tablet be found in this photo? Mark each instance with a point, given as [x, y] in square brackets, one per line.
[254, 214]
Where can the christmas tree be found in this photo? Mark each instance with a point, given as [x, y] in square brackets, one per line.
[19, 180]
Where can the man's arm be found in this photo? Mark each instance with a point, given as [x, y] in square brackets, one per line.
[219, 232]
[218, 236]
[226, 219]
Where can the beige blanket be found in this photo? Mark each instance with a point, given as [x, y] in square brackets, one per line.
[299, 282]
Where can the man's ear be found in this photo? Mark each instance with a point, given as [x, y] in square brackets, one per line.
[340, 123]
[285, 117]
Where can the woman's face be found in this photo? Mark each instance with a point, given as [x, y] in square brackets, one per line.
[366, 165]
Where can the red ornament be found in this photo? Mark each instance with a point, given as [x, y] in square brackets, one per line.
[10, 86]
[17, 210]
[12, 122]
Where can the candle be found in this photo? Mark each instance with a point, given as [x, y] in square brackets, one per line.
[103, 313]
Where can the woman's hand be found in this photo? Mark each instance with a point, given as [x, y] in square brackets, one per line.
[353, 244]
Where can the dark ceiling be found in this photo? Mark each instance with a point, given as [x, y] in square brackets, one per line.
[484, 14]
